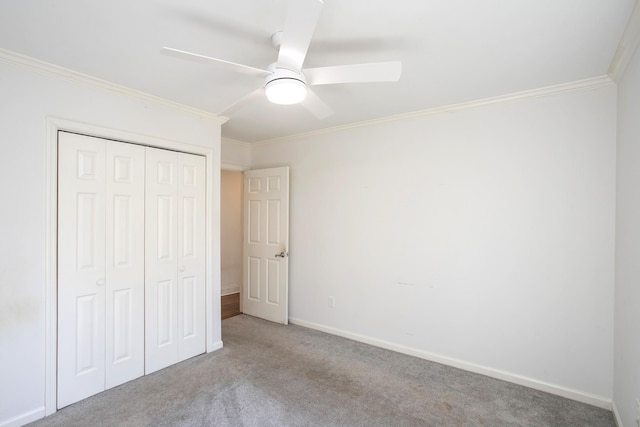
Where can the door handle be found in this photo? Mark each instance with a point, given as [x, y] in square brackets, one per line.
[100, 282]
[182, 268]
[282, 254]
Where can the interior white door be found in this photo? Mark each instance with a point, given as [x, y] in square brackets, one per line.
[81, 267]
[266, 242]
[100, 265]
[124, 262]
[175, 258]
[191, 255]
[161, 263]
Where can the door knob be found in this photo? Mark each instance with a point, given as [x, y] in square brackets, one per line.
[182, 268]
[100, 282]
[282, 254]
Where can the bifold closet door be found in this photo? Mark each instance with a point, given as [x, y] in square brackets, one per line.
[100, 265]
[124, 263]
[175, 262]
[191, 255]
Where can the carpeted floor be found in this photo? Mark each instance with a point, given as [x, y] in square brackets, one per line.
[273, 375]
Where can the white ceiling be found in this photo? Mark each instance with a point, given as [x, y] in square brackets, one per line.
[452, 50]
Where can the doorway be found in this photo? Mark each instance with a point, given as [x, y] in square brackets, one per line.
[255, 256]
[231, 186]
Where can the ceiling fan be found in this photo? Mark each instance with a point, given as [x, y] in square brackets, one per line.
[285, 81]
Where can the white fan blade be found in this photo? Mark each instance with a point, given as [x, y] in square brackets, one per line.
[299, 25]
[316, 106]
[244, 69]
[355, 73]
[242, 102]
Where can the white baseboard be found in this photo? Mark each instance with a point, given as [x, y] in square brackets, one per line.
[23, 419]
[215, 346]
[616, 414]
[569, 393]
[229, 291]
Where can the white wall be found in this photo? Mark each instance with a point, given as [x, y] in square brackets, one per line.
[231, 231]
[236, 155]
[483, 237]
[27, 99]
[627, 291]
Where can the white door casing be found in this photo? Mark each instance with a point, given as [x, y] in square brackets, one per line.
[265, 264]
[175, 258]
[100, 273]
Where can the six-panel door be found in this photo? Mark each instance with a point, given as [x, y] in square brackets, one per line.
[266, 242]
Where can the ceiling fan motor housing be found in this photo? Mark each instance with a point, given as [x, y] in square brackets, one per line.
[285, 86]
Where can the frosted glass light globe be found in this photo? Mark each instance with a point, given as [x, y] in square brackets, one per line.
[286, 91]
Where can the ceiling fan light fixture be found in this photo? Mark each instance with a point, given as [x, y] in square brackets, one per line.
[286, 91]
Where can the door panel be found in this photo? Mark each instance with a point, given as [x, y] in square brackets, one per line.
[273, 281]
[266, 235]
[87, 330]
[189, 311]
[125, 164]
[253, 221]
[81, 267]
[191, 255]
[166, 313]
[123, 327]
[253, 278]
[88, 230]
[175, 300]
[161, 261]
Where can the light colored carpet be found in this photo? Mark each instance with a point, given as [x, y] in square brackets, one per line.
[273, 375]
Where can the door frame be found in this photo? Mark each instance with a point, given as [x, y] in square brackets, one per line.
[212, 267]
[236, 167]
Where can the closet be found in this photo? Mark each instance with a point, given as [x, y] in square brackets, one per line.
[131, 262]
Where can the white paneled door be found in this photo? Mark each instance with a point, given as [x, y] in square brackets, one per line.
[175, 261]
[191, 255]
[131, 262]
[266, 242]
[124, 263]
[100, 272]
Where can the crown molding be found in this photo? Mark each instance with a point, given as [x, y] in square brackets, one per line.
[234, 167]
[578, 85]
[627, 46]
[51, 70]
